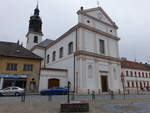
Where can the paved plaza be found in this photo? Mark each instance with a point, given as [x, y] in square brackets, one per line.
[40, 104]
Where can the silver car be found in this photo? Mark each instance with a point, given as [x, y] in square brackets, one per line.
[16, 91]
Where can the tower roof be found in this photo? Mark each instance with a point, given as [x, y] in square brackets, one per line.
[35, 23]
[36, 10]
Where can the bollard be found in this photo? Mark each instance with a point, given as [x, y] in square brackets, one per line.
[23, 95]
[112, 95]
[93, 95]
[99, 91]
[49, 97]
[88, 91]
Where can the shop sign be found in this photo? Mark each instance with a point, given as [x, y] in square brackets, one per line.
[12, 76]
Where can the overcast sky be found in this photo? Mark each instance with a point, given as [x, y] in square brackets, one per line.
[132, 17]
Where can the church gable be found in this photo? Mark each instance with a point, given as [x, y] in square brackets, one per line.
[99, 14]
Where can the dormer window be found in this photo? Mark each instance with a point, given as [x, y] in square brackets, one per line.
[35, 39]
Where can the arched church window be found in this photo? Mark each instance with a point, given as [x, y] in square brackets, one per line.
[61, 50]
[35, 39]
[70, 48]
[47, 59]
[54, 56]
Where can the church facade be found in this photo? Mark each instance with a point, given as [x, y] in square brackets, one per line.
[87, 54]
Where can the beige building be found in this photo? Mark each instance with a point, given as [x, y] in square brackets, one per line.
[18, 67]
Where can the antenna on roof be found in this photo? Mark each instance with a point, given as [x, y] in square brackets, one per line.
[98, 4]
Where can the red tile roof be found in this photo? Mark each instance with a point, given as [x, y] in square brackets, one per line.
[134, 65]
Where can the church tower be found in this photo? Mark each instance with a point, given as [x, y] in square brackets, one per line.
[34, 35]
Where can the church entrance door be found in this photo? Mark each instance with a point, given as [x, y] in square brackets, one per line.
[104, 83]
[53, 83]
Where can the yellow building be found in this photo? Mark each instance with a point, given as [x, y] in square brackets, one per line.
[18, 67]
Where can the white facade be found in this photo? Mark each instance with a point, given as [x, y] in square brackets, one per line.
[135, 79]
[94, 63]
[31, 40]
[52, 74]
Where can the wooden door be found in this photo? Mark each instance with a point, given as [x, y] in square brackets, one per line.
[104, 83]
[53, 83]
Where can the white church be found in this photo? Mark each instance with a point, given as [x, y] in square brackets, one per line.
[87, 54]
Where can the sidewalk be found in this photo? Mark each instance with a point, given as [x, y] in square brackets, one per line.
[100, 106]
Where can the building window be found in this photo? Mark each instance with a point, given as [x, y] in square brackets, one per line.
[127, 74]
[131, 74]
[128, 84]
[61, 52]
[135, 74]
[132, 84]
[54, 56]
[102, 46]
[146, 75]
[148, 84]
[35, 39]
[144, 84]
[70, 48]
[11, 67]
[139, 74]
[137, 84]
[28, 67]
[143, 74]
[47, 59]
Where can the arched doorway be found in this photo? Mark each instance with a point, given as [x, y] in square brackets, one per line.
[53, 83]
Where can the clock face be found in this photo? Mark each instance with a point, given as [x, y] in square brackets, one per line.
[99, 15]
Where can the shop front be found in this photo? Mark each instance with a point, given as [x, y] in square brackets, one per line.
[8, 80]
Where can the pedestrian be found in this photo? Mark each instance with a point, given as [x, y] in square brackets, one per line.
[142, 88]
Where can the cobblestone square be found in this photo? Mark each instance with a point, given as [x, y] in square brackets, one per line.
[136, 105]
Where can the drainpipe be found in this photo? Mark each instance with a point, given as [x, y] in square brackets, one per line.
[75, 61]
[39, 76]
[45, 57]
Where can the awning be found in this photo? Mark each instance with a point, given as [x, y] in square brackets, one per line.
[12, 76]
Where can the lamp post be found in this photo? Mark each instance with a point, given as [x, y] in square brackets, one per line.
[69, 83]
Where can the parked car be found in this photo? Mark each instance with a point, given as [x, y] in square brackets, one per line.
[15, 91]
[55, 91]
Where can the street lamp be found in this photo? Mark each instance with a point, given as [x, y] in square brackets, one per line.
[69, 84]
